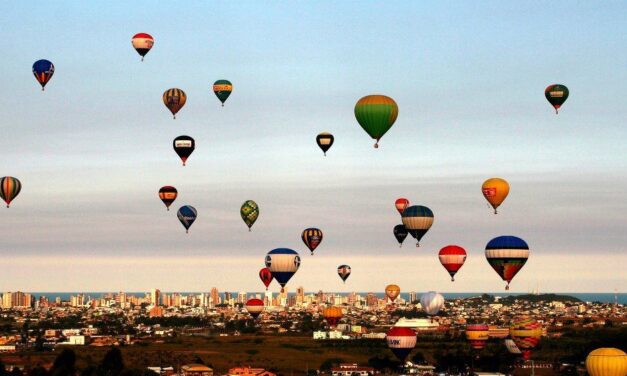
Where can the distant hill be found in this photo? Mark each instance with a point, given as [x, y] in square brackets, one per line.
[541, 297]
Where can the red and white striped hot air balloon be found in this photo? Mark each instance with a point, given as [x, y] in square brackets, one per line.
[401, 204]
[254, 306]
[401, 341]
[142, 43]
[452, 258]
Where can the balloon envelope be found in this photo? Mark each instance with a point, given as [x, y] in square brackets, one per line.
[187, 215]
[332, 315]
[452, 257]
[417, 220]
[432, 302]
[392, 292]
[142, 43]
[376, 114]
[495, 190]
[266, 276]
[325, 141]
[222, 89]
[174, 99]
[168, 194]
[283, 263]
[43, 71]
[344, 271]
[312, 237]
[400, 233]
[249, 213]
[254, 307]
[401, 341]
[10, 187]
[477, 335]
[525, 332]
[184, 146]
[507, 255]
[556, 95]
[401, 204]
[607, 361]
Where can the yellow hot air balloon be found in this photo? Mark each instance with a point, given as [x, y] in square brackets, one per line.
[607, 361]
[495, 190]
[392, 292]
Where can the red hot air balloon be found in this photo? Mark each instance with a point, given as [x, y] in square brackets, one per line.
[401, 204]
[477, 335]
[254, 307]
[266, 276]
[401, 341]
[452, 258]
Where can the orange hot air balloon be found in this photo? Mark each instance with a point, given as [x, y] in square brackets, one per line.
[332, 315]
[495, 190]
[607, 362]
[392, 292]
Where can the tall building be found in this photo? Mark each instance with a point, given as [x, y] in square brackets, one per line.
[155, 297]
[242, 297]
[300, 295]
[371, 300]
[227, 297]
[412, 297]
[16, 299]
[268, 299]
[215, 296]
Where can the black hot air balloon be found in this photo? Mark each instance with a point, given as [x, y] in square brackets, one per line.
[325, 141]
[184, 146]
[400, 233]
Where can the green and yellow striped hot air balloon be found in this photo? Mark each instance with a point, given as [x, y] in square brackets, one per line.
[376, 114]
[222, 89]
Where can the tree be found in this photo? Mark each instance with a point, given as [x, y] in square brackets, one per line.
[112, 363]
[64, 364]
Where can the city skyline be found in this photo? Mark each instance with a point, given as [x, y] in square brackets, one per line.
[94, 148]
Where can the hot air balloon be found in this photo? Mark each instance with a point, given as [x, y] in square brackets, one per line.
[400, 233]
[511, 347]
[507, 255]
[222, 89]
[432, 302]
[10, 187]
[312, 237]
[452, 258]
[401, 341]
[249, 212]
[142, 43]
[525, 332]
[332, 315]
[401, 204]
[184, 146]
[254, 307]
[43, 71]
[174, 99]
[266, 276]
[556, 95]
[417, 220]
[477, 335]
[283, 263]
[168, 194]
[344, 271]
[325, 141]
[187, 215]
[392, 292]
[607, 361]
[495, 190]
[376, 114]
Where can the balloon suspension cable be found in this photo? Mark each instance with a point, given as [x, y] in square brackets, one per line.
[556, 111]
[325, 153]
[311, 253]
[142, 58]
[174, 117]
[507, 287]
[168, 208]
[7, 206]
[452, 279]
[187, 231]
[42, 88]
[417, 244]
[183, 164]
[401, 245]
[222, 104]
[249, 229]
[495, 212]
[376, 144]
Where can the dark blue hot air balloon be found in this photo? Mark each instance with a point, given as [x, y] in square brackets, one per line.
[283, 263]
[43, 71]
[187, 215]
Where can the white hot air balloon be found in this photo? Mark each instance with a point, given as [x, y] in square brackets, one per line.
[432, 302]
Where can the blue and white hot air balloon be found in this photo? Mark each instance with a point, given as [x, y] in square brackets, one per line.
[187, 215]
[417, 220]
[283, 263]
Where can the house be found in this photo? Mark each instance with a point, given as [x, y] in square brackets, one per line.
[351, 369]
[249, 371]
[196, 370]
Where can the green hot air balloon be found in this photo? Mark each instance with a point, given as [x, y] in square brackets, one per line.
[556, 95]
[376, 114]
[249, 213]
[222, 89]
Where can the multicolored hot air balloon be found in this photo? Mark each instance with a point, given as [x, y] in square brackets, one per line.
[417, 220]
[43, 71]
[187, 215]
[525, 332]
[400, 233]
[344, 271]
[167, 194]
[332, 315]
[507, 255]
[325, 141]
[495, 190]
[432, 302]
[10, 187]
[266, 276]
[376, 114]
[392, 292]
[452, 258]
[249, 212]
[477, 335]
[222, 89]
[142, 43]
[184, 146]
[254, 306]
[283, 263]
[401, 341]
[174, 99]
[312, 237]
[607, 361]
[511, 347]
[556, 95]
[401, 204]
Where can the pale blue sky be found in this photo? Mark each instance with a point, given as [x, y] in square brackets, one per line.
[469, 79]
